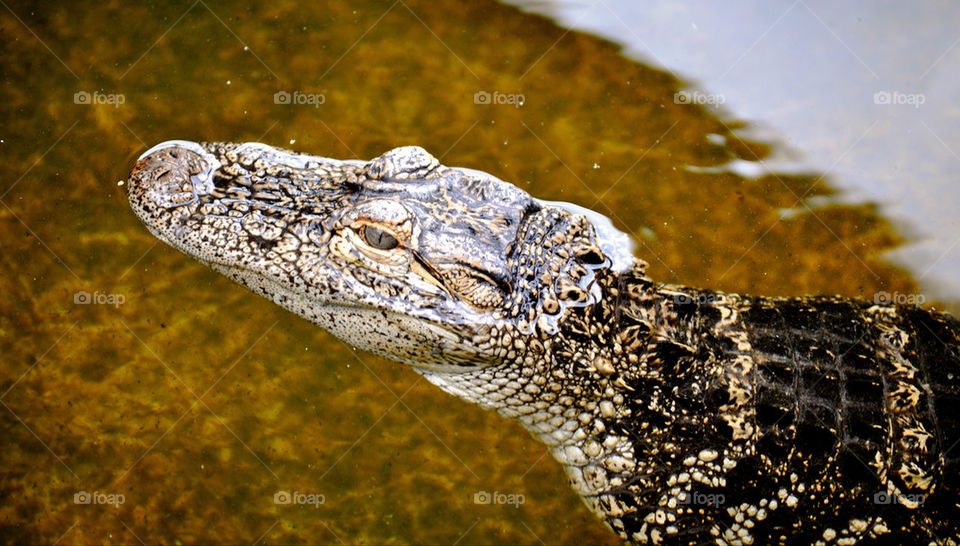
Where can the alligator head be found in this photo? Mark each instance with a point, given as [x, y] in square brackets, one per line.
[439, 267]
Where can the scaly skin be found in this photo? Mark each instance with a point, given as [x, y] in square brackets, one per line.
[681, 416]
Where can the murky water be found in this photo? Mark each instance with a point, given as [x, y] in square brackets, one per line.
[183, 407]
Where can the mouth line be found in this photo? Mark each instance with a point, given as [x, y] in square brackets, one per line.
[274, 287]
[278, 288]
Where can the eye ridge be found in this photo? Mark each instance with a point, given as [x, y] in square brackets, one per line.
[379, 239]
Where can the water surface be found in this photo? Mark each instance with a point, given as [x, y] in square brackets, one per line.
[865, 91]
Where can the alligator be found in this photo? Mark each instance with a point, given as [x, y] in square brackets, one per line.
[681, 416]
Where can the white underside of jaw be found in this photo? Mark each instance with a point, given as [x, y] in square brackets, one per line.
[416, 341]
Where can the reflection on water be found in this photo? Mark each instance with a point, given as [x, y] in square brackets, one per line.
[870, 96]
[204, 407]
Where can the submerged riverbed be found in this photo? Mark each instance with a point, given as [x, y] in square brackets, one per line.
[147, 398]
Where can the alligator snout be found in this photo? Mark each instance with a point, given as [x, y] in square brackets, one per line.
[172, 174]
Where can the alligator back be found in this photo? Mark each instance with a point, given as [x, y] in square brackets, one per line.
[787, 420]
[860, 403]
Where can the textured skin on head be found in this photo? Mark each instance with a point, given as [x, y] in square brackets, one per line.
[681, 416]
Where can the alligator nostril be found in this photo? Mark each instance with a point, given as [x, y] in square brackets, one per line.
[172, 174]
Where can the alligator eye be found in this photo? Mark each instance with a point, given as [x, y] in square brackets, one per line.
[380, 239]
